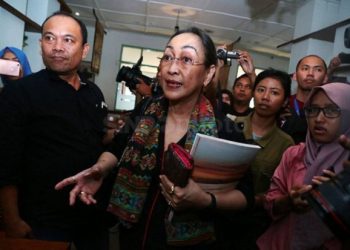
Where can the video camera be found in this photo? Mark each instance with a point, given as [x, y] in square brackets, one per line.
[331, 202]
[133, 76]
[227, 55]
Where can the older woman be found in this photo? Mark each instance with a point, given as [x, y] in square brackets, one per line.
[141, 196]
[14, 54]
[296, 227]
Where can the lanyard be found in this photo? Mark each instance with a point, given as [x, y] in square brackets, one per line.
[296, 106]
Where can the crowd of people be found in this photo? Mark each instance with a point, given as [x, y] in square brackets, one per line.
[64, 178]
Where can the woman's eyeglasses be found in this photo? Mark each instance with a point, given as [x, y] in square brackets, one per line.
[183, 61]
[330, 112]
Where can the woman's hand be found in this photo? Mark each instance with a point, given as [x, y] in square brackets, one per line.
[299, 205]
[86, 183]
[326, 176]
[191, 196]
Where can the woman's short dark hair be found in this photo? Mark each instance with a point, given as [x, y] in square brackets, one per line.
[208, 44]
[82, 26]
[280, 76]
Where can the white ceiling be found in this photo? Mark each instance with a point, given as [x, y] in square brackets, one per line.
[261, 24]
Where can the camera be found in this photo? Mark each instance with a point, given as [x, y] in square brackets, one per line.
[331, 202]
[133, 76]
[225, 55]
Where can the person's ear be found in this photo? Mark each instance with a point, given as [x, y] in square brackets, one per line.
[294, 76]
[41, 48]
[86, 48]
[210, 75]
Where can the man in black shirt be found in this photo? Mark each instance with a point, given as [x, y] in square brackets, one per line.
[52, 127]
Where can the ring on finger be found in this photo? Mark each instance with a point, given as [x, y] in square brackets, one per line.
[172, 189]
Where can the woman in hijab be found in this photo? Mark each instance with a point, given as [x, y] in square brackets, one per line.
[14, 54]
[296, 225]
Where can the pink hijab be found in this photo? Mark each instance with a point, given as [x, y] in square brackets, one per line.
[309, 230]
[322, 156]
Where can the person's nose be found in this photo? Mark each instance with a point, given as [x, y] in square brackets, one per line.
[266, 95]
[320, 116]
[58, 45]
[174, 65]
[310, 72]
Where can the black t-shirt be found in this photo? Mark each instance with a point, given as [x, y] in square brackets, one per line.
[49, 131]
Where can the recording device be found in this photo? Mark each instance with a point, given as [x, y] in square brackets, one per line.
[225, 55]
[331, 202]
[133, 76]
[10, 68]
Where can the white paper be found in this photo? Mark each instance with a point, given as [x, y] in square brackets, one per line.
[212, 151]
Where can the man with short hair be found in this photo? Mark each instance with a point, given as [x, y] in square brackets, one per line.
[242, 92]
[52, 127]
[242, 89]
[310, 71]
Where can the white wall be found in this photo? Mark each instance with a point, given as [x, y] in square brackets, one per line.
[38, 15]
[11, 27]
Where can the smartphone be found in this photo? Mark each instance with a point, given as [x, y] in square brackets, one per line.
[10, 68]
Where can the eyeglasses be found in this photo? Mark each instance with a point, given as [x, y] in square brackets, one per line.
[184, 61]
[329, 112]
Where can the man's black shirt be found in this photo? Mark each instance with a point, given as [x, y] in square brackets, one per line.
[49, 131]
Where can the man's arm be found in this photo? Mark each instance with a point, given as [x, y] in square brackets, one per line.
[14, 226]
[12, 136]
[246, 62]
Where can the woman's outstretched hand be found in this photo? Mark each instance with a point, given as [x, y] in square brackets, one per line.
[86, 183]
